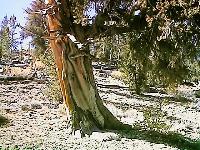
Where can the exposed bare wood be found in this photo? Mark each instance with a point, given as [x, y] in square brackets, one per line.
[76, 77]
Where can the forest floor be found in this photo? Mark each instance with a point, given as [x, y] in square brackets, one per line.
[35, 122]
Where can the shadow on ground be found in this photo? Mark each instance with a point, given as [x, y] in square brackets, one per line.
[3, 120]
[176, 98]
[172, 139]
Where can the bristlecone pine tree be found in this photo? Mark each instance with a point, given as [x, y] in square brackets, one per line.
[75, 70]
[163, 34]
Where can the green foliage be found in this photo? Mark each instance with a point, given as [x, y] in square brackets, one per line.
[155, 49]
[161, 39]
[194, 72]
[108, 49]
[5, 44]
[134, 75]
[197, 94]
[154, 119]
[53, 91]
[150, 62]
[8, 39]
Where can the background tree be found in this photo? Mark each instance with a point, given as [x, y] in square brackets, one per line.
[5, 44]
[9, 40]
[36, 28]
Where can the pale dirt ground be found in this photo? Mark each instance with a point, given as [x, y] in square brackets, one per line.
[38, 123]
[20, 71]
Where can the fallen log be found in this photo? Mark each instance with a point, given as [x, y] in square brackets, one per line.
[15, 78]
[5, 79]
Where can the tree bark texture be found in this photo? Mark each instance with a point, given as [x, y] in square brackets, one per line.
[76, 78]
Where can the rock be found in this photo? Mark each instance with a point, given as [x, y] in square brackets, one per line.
[8, 110]
[8, 142]
[13, 101]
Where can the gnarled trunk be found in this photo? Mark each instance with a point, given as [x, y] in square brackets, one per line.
[76, 79]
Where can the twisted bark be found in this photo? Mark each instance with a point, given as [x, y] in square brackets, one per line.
[76, 78]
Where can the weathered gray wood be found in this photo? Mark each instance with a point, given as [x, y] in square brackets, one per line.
[15, 78]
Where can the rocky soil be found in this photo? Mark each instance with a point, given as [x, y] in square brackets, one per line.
[38, 123]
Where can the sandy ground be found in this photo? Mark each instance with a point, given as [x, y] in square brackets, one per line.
[38, 123]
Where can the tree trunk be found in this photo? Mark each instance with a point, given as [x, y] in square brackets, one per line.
[77, 82]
